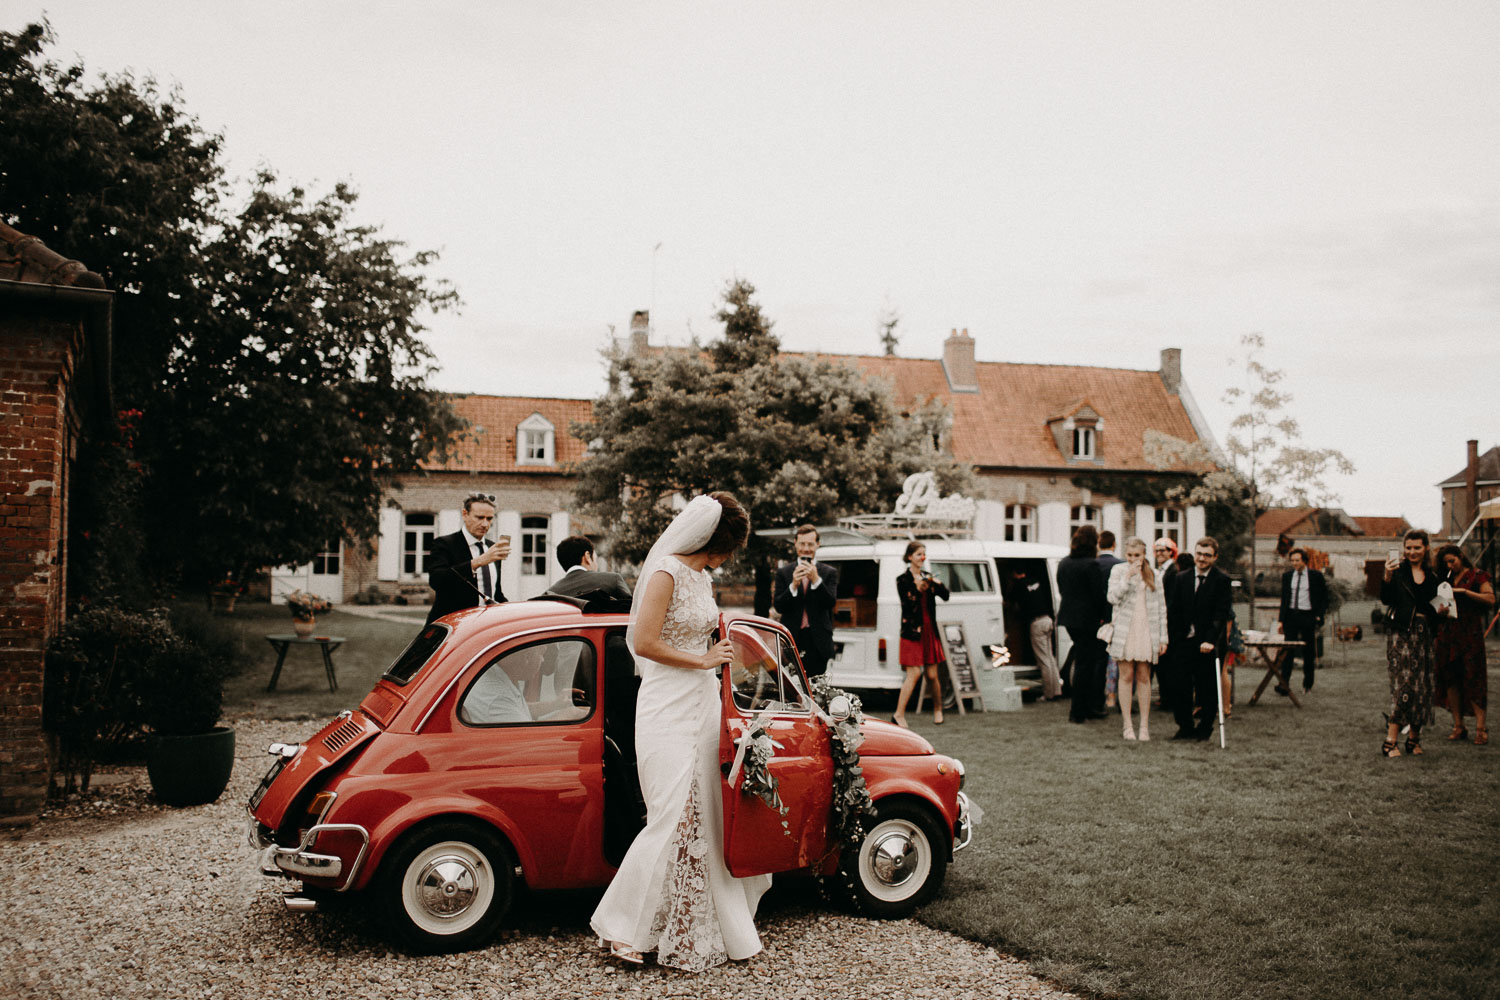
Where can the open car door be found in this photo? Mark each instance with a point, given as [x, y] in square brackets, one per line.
[765, 681]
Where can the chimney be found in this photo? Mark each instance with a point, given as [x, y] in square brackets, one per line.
[1171, 369]
[640, 331]
[1471, 481]
[958, 362]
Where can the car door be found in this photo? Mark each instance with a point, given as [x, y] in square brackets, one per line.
[764, 681]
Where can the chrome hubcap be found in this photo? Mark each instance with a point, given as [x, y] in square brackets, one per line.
[893, 858]
[446, 887]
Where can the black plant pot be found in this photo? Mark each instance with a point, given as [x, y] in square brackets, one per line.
[193, 769]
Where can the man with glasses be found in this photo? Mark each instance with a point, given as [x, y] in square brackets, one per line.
[463, 568]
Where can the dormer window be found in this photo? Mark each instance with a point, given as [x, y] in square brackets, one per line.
[1083, 442]
[535, 441]
[1076, 428]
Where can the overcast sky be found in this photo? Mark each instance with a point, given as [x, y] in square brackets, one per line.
[1072, 182]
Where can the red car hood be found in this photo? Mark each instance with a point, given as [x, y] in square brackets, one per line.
[882, 739]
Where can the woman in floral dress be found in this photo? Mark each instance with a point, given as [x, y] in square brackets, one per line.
[1407, 591]
[1140, 633]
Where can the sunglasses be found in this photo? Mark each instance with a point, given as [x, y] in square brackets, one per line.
[478, 497]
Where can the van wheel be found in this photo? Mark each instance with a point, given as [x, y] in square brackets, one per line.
[447, 887]
[900, 864]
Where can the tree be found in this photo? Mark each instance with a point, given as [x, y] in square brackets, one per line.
[796, 440]
[889, 319]
[272, 353]
[1265, 448]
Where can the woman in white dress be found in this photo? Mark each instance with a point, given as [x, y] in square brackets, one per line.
[1140, 633]
[673, 895]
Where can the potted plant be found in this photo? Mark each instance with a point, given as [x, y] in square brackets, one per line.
[223, 593]
[305, 610]
[190, 755]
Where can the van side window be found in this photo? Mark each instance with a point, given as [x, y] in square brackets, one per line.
[964, 577]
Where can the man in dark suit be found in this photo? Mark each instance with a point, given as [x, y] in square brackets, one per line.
[581, 577]
[1304, 602]
[804, 594]
[1198, 612]
[462, 568]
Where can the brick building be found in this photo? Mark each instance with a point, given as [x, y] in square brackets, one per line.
[54, 369]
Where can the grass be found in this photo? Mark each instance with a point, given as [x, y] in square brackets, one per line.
[302, 690]
[1294, 863]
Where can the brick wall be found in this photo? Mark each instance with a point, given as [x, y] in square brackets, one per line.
[37, 356]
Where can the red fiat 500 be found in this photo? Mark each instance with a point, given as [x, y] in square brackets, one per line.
[498, 752]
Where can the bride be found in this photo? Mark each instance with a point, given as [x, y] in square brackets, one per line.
[672, 894]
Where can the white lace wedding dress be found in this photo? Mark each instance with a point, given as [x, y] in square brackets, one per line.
[672, 894]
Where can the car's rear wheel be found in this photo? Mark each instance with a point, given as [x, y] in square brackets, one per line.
[447, 887]
[900, 864]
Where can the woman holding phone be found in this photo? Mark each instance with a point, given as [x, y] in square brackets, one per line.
[673, 895]
[1407, 591]
[921, 648]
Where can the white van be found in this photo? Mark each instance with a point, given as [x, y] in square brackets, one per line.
[977, 573]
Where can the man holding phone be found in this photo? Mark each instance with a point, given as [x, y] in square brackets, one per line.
[804, 595]
[463, 569]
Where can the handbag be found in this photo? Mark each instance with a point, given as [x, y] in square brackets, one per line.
[1106, 632]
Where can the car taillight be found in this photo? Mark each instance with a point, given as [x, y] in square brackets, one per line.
[317, 808]
[881, 649]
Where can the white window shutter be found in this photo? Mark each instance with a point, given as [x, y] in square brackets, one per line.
[560, 528]
[508, 522]
[1114, 520]
[1196, 528]
[388, 558]
[1145, 522]
[449, 521]
[1052, 523]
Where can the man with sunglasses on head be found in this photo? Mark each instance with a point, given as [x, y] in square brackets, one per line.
[463, 568]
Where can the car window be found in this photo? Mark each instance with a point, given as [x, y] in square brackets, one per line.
[543, 682]
[764, 672]
[416, 653]
[963, 577]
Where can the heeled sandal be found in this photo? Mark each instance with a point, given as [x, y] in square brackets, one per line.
[1390, 749]
[1481, 737]
[1414, 746]
[629, 956]
[1459, 734]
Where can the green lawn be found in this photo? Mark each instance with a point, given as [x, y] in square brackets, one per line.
[302, 690]
[1295, 863]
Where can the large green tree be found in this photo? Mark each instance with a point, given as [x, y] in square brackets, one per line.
[268, 356]
[795, 439]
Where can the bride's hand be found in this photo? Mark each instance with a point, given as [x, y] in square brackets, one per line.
[718, 654]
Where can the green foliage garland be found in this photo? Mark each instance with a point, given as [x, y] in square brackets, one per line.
[852, 804]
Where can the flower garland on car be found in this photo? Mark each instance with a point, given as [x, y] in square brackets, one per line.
[852, 804]
[752, 758]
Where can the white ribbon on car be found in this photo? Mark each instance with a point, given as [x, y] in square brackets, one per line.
[742, 744]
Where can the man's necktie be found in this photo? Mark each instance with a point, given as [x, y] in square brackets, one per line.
[1296, 590]
[485, 586]
[1198, 584]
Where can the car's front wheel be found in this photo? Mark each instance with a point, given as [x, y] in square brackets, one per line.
[900, 864]
[447, 886]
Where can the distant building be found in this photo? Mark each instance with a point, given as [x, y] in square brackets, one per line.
[1352, 544]
[1466, 489]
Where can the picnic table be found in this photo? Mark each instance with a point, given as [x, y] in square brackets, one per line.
[1271, 652]
[325, 643]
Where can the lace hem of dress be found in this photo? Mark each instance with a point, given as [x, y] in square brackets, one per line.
[686, 925]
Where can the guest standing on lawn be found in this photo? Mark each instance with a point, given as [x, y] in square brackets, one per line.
[1459, 644]
[1408, 590]
[921, 649]
[1081, 584]
[1140, 637]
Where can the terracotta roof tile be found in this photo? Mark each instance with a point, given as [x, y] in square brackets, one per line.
[1383, 527]
[1279, 520]
[493, 421]
[26, 258]
[1004, 424]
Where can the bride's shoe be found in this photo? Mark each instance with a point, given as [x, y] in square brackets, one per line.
[629, 956]
[1145, 734]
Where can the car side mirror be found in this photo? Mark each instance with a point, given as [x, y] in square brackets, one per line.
[839, 707]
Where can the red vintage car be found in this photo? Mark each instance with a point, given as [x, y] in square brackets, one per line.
[497, 752]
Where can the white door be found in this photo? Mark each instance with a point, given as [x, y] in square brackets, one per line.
[323, 577]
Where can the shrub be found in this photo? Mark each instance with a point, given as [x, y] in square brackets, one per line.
[113, 674]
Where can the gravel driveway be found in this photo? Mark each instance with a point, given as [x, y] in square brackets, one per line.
[126, 899]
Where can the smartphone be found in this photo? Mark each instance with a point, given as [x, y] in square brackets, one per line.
[804, 560]
[1393, 555]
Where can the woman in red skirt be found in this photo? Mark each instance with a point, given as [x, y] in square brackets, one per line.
[921, 649]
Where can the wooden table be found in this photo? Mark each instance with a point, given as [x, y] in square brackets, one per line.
[1272, 653]
[326, 643]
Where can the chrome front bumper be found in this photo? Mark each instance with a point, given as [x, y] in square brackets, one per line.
[302, 862]
[969, 815]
